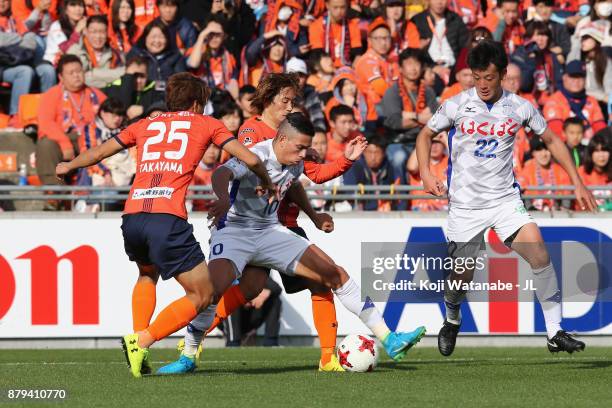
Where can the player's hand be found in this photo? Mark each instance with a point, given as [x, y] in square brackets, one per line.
[585, 198]
[218, 209]
[312, 155]
[355, 148]
[433, 185]
[259, 301]
[62, 170]
[272, 191]
[324, 222]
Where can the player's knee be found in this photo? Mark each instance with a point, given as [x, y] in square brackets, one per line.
[335, 277]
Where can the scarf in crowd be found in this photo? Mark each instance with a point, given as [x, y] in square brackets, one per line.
[226, 70]
[272, 16]
[115, 59]
[407, 105]
[76, 124]
[330, 42]
[513, 37]
[576, 102]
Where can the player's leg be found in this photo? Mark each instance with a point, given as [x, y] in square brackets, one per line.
[316, 265]
[528, 243]
[144, 298]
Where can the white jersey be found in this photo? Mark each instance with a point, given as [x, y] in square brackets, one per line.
[249, 210]
[480, 143]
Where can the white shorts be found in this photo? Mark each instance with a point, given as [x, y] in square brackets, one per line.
[275, 248]
[467, 226]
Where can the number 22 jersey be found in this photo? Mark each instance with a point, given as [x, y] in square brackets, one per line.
[480, 142]
[169, 147]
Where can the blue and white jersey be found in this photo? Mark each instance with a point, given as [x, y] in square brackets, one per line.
[480, 142]
[249, 210]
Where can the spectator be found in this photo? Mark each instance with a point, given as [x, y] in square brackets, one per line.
[202, 175]
[542, 171]
[182, 32]
[117, 170]
[443, 33]
[36, 17]
[573, 133]
[346, 91]
[229, 113]
[571, 100]
[469, 11]
[600, 17]
[463, 79]
[123, 31]
[240, 327]
[373, 169]
[404, 33]
[134, 89]
[597, 167]
[560, 35]
[101, 63]
[336, 34]
[145, 11]
[241, 23]
[65, 31]
[322, 68]
[96, 8]
[164, 60]
[18, 53]
[69, 107]
[211, 61]
[265, 55]
[438, 166]
[512, 83]
[406, 107]
[598, 65]
[541, 64]
[374, 69]
[510, 30]
[342, 129]
[308, 97]
[477, 35]
[284, 16]
[245, 96]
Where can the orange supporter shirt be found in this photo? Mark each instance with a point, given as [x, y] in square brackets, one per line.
[534, 175]
[202, 176]
[21, 12]
[593, 179]
[331, 37]
[67, 111]
[557, 109]
[376, 74]
[145, 11]
[169, 147]
[451, 91]
[439, 170]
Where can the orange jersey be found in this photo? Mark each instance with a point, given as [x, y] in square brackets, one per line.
[376, 74]
[557, 109]
[451, 91]
[169, 148]
[332, 38]
[145, 12]
[255, 130]
[423, 204]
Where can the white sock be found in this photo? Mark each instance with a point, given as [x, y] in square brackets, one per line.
[350, 296]
[452, 301]
[549, 296]
[196, 330]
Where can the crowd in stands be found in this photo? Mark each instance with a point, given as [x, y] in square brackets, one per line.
[78, 71]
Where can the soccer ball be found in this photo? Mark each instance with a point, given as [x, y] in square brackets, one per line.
[358, 353]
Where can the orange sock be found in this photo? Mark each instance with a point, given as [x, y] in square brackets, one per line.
[324, 316]
[174, 317]
[143, 304]
[231, 300]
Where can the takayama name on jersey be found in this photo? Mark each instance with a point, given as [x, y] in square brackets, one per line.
[161, 166]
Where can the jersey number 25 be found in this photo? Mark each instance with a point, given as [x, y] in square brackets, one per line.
[175, 134]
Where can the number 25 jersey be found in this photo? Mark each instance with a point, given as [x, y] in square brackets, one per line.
[169, 147]
[480, 142]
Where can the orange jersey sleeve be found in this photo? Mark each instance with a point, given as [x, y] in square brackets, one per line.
[169, 148]
[322, 172]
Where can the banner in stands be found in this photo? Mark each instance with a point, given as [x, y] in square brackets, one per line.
[71, 278]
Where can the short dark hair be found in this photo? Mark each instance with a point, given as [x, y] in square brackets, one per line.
[227, 107]
[573, 121]
[142, 40]
[340, 110]
[67, 59]
[488, 52]
[549, 3]
[183, 89]
[299, 122]
[113, 105]
[600, 140]
[500, 2]
[537, 27]
[378, 141]
[97, 18]
[246, 90]
[175, 2]
[270, 86]
[138, 60]
[414, 53]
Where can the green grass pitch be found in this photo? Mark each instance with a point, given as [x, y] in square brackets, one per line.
[286, 377]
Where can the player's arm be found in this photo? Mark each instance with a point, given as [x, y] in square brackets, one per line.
[250, 159]
[89, 157]
[321, 173]
[220, 180]
[431, 183]
[322, 221]
[559, 151]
